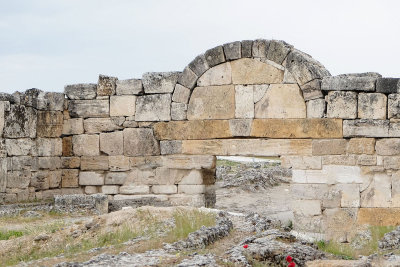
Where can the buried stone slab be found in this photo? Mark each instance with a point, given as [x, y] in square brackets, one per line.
[97, 203]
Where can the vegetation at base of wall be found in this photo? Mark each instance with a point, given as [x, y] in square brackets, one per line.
[10, 234]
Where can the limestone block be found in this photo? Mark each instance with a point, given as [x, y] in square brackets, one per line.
[218, 75]
[396, 189]
[307, 207]
[167, 176]
[153, 107]
[259, 90]
[67, 150]
[178, 111]
[51, 101]
[54, 179]
[394, 106]
[171, 147]
[49, 123]
[22, 163]
[251, 71]
[388, 85]
[394, 130]
[94, 163]
[140, 142]
[164, 189]
[89, 108]
[81, 91]
[51, 163]
[281, 101]
[304, 68]
[3, 174]
[244, 102]
[73, 126]
[187, 200]
[198, 177]
[106, 85]
[302, 162]
[20, 122]
[40, 180]
[339, 160]
[90, 190]
[134, 189]
[297, 128]
[189, 162]
[278, 50]
[316, 108]
[212, 102]
[130, 124]
[329, 147]
[118, 163]
[365, 128]
[240, 127]
[288, 77]
[308, 191]
[260, 48]
[191, 189]
[69, 178]
[247, 48]
[129, 87]
[332, 198]
[342, 105]
[122, 105]
[391, 162]
[112, 143]
[2, 109]
[330, 174]
[188, 78]
[86, 145]
[372, 106]
[246, 147]
[361, 146]
[379, 192]
[388, 146]
[351, 82]
[141, 176]
[366, 160]
[232, 50]
[312, 90]
[91, 178]
[117, 178]
[17, 179]
[199, 65]
[98, 125]
[159, 82]
[378, 216]
[181, 94]
[109, 189]
[47, 147]
[214, 56]
[149, 162]
[19, 147]
[3, 150]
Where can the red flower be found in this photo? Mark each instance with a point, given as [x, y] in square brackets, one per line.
[289, 258]
[292, 264]
[246, 246]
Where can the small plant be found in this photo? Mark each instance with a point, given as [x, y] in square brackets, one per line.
[10, 234]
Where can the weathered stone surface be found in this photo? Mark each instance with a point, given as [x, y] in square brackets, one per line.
[329, 147]
[70, 162]
[288, 77]
[394, 130]
[247, 46]
[316, 108]
[233, 50]
[129, 87]
[69, 178]
[91, 178]
[81, 91]
[259, 90]
[118, 163]
[212, 102]
[2, 110]
[89, 108]
[240, 127]
[18, 147]
[348, 160]
[67, 150]
[350, 82]
[361, 146]
[378, 193]
[244, 102]
[51, 163]
[188, 78]
[159, 82]
[260, 48]
[342, 105]
[388, 85]
[312, 90]
[106, 85]
[252, 71]
[178, 111]
[278, 50]
[201, 129]
[330, 174]
[49, 123]
[189, 162]
[307, 207]
[191, 189]
[297, 128]
[372, 106]
[181, 94]
[18, 179]
[117, 178]
[19, 122]
[379, 216]
[365, 128]
[214, 56]
[199, 65]
[218, 75]
[122, 105]
[388, 146]
[47, 147]
[54, 179]
[134, 189]
[366, 160]
[3, 174]
[109, 189]
[140, 142]
[86, 145]
[243, 147]
[164, 189]
[98, 125]
[171, 147]
[3, 151]
[153, 108]
[112, 143]
[40, 180]
[302, 162]
[90, 190]
[73, 126]
[141, 176]
[394, 106]
[304, 68]
[149, 162]
[95, 163]
[281, 101]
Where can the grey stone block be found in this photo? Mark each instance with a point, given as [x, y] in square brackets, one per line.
[312, 90]
[106, 85]
[372, 106]
[20, 121]
[342, 105]
[159, 82]
[260, 48]
[181, 94]
[188, 78]
[233, 50]
[278, 50]
[140, 142]
[351, 82]
[129, 87]
[81, 91]
[215, 56]
[19, 147]
[171, 147]
[316, 108]
[89, 108]
[247, 48]
[98, 125]
[199, 65]
[365, 128]
[394, 106]
[153, 107]
[178, 111]
[388, 85]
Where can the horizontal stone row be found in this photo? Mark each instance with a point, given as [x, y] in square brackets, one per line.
[30, 194]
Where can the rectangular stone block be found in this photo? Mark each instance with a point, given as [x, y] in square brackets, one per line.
[49, 124]
[372, 106]
[89, 108]
[159, 82]
[330, 174]
[2, 109]
[164, 189]
[240, 127]
[20, 122]
[394, 130]
[141, 176]
[153, 107]
[90, 190]
[3, 174]
[181, 94]
[110, 189]
[129, 87]
[98, 125]
[40, 180]
[378, 193]
[122, 105]
[67, 150]
[350, 195]
[69, 178]
[251, 71]
[361, 146]
[86, 145]
[329, 147]
[19, 147]
[140, 142]
[388, 85]
[116, 178]
[350, 82]
[178, 111]
[366, 160]
[388, 146]
[391, 162]
[91, 178]
[47, 147]
[394, 106]
[349, 160]
[342, 105]
[301, 162]
[365, 128]
[51, 163]
[106, 85]
[94, 163]
[214, 56]
[134, 189]
[316, 108]
[308, 191]
[73, 126]
[189, 162]
[22, 163]
[244, 104]
[191, 189]
[16, 179]
[187, 200]
[247, 46]
[187, 78]
[112, 143]
[118, 163]
[232, 50]
[171, 147]
[307, 207]
[81, 91]
[379, 216]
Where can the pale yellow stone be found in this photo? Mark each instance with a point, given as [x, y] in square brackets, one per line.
[379, 216]
[361, 146]
[218, 75]
[251, 71]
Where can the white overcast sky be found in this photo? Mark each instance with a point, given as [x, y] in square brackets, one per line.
[47, 44]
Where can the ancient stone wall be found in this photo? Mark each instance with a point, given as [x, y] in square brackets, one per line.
[158, 136]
